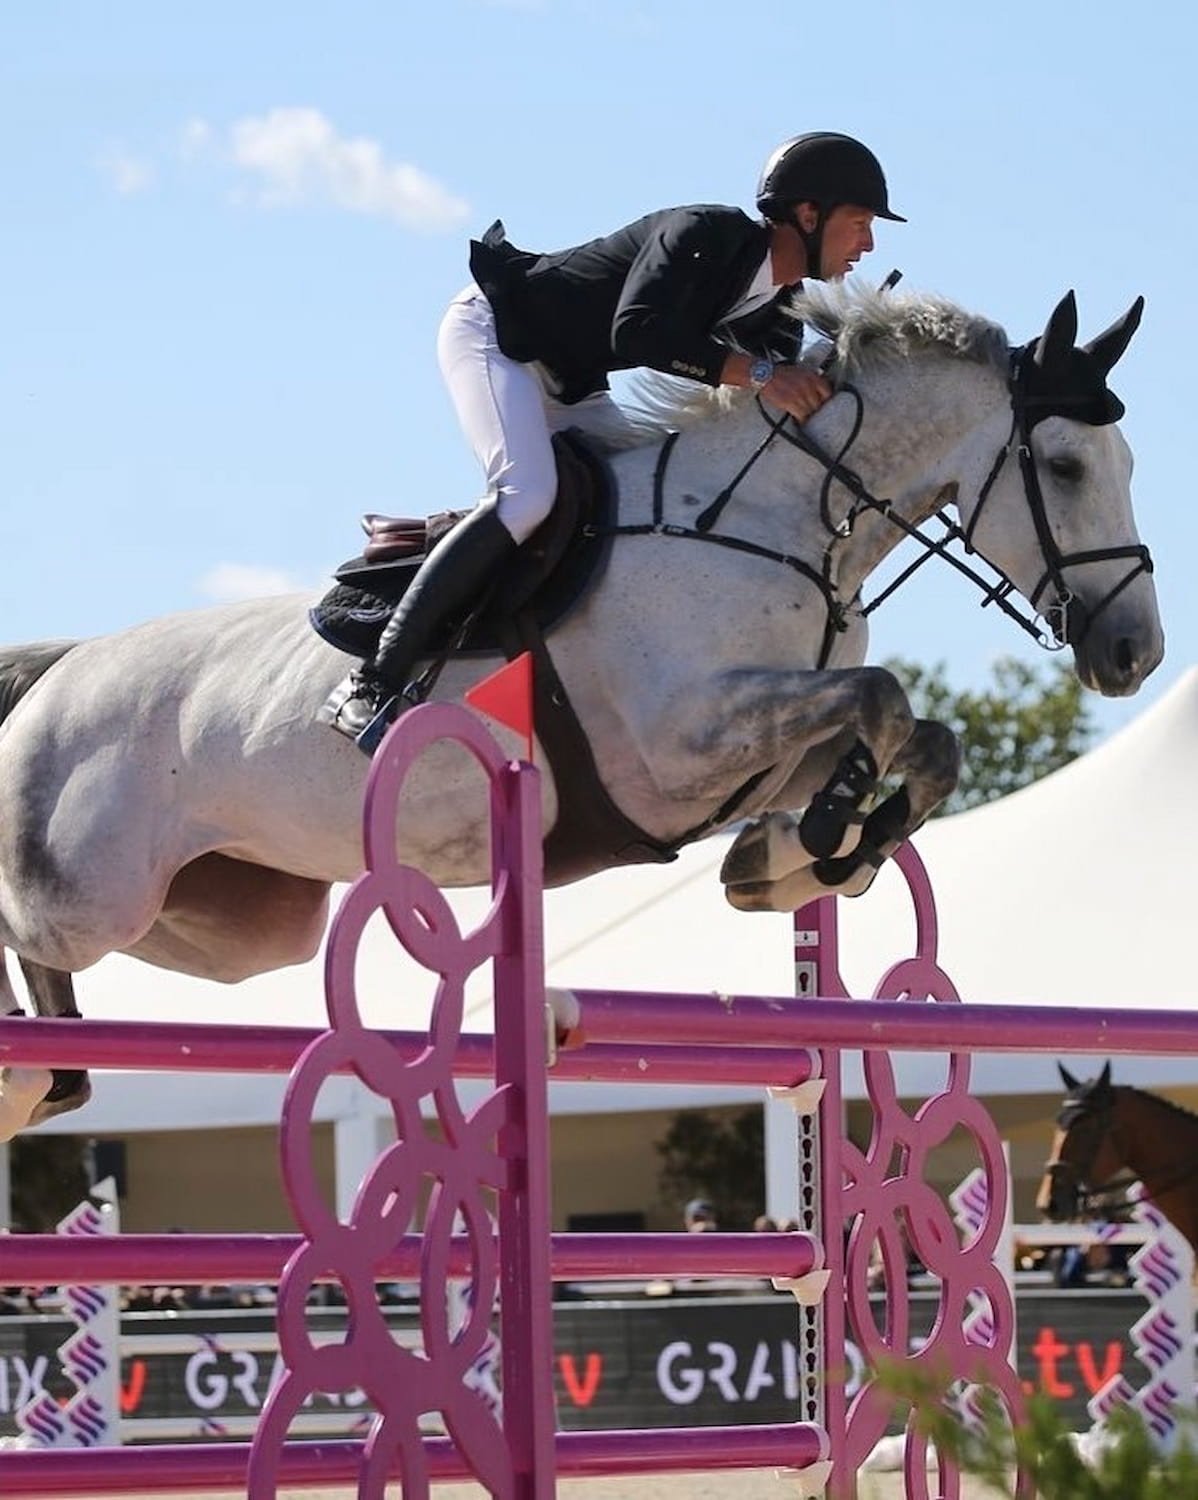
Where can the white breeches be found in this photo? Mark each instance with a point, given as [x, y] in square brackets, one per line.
[508, 414]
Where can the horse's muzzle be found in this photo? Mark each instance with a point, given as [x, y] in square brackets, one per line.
[1115, 651]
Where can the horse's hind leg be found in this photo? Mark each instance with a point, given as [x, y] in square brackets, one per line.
[21, 1089]
[30, 1095]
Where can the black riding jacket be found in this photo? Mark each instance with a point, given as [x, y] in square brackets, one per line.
[654, 294]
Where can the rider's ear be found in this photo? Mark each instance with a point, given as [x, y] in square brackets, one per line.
[807, 216]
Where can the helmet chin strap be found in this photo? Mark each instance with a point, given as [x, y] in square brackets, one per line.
[813, 243]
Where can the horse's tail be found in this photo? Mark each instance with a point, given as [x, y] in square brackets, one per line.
[21, 666]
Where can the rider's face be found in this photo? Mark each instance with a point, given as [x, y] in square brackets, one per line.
[848, 235]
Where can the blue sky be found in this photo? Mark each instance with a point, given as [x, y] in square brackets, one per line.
[230, 230]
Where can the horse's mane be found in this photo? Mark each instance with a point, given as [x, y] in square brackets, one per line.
[861, 327]
[1169, 1104]
[1085, 1096]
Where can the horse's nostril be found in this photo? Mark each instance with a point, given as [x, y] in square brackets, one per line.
[1125, 657]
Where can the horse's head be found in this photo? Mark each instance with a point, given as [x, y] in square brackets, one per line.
[1054, 509]
[1084, 1159]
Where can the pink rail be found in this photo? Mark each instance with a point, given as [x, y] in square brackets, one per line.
[188, 1468]
[182, 1047]
[40, 1259]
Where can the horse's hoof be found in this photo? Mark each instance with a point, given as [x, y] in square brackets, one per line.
[766, 850]
[21, 1091]
[753, 895]
[62, 1103]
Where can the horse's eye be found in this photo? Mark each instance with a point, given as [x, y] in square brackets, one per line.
[1065, 466]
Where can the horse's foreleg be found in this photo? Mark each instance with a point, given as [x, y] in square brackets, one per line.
[929, 761]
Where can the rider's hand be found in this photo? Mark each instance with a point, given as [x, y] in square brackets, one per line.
[797, 390]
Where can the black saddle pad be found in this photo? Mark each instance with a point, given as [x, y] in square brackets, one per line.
[547, 575]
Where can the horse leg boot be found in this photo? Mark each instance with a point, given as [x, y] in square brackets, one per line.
[448, 581]
[837, 808]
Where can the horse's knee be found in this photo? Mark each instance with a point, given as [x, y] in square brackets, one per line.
[883, 711]
[931, 763]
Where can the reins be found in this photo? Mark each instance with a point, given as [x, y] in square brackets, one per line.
[1057, 629]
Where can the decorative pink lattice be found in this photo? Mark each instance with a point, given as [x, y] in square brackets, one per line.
[438, 1181]
[888, 1202]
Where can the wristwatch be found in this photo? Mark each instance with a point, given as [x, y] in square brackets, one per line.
[761, 372]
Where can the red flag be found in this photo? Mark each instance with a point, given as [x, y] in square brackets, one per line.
[507, 696]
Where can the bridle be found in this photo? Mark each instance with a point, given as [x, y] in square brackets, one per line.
[1053, 628]
[1098, 1122]
[1062, 614]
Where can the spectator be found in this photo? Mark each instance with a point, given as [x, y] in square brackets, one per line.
[699, 1217]
[1095, 1264]
[764, 1224]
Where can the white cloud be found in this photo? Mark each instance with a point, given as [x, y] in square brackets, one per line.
[195, 138]
[295, 156]
[128, 174]
[228, 583]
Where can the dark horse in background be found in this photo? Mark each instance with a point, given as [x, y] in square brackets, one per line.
[1109, 1135]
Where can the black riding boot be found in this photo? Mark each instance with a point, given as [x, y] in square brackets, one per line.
[449, 580]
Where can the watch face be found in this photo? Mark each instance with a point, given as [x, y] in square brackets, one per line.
[761, 372]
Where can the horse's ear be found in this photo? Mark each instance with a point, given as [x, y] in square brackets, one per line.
[1104, 1078]
[1067, 1078]
[1056, 342]
[1108, 347]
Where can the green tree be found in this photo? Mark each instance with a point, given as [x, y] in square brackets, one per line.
[720, 1157]
[1127, 1462]
[1025, 724]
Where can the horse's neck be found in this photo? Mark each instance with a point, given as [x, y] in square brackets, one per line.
[925, 426]
[930, 425]
[1160, 1146]
[1159, 1137]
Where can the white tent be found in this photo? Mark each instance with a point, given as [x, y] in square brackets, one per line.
[1074, 891]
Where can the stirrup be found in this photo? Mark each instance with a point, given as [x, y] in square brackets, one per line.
[369, 739]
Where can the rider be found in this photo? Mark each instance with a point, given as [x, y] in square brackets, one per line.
[527, 346]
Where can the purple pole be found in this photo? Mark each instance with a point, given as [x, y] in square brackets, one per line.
[178, 1259]
[190, 1468]
[187, 1048]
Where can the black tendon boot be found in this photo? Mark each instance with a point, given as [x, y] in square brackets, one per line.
[449, 580]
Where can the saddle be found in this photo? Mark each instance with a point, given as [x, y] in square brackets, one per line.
[546, 575]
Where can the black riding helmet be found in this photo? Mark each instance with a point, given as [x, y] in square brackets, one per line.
[827, 169]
